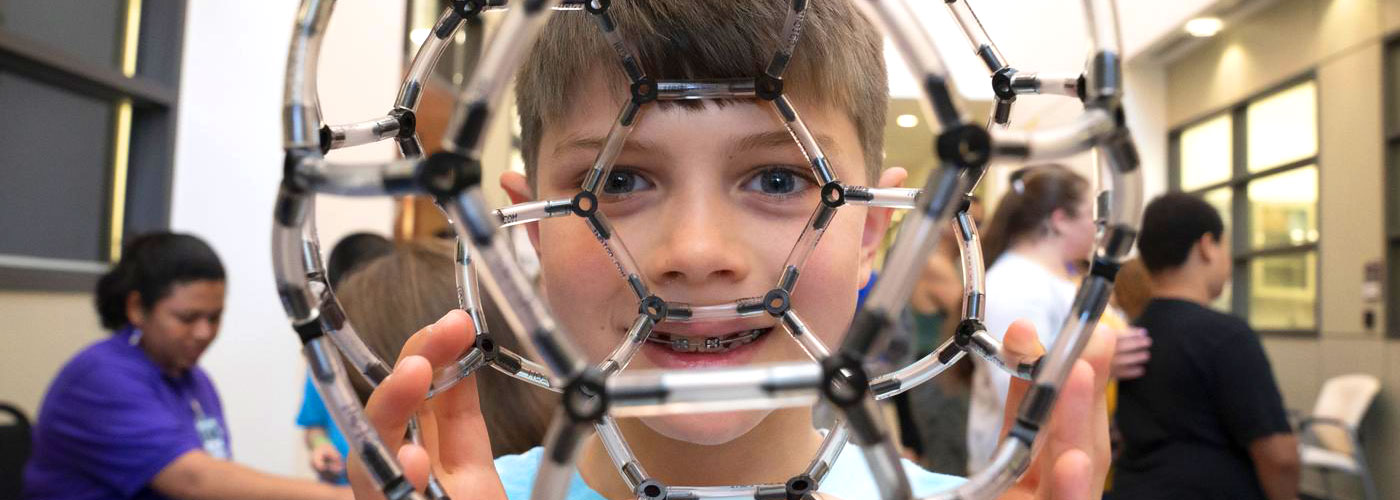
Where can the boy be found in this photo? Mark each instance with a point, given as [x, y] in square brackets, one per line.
[709, 197]
[1206, 419]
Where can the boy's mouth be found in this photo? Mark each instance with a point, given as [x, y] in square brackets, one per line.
[712, 344]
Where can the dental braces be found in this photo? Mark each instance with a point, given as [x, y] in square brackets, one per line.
[593, 395]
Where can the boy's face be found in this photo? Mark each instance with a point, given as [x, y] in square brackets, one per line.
[709, 202]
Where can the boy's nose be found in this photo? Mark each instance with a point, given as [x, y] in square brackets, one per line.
[700, 244]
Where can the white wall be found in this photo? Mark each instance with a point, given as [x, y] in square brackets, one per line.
[228, 162]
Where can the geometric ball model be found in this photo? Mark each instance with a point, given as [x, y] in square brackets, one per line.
[592, 395]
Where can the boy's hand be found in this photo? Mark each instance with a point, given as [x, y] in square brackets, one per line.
[460, 457]
[1072, 457]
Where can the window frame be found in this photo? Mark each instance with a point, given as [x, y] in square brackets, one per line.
[1390, 230]
[1242, 253]
[150, 98]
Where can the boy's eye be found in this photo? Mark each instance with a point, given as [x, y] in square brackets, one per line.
[777, 181]
[624, 182]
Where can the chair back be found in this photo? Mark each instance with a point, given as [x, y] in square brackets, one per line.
[14, 450]
[1345, 398]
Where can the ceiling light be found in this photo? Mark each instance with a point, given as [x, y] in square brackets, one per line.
[418, 36]
[1204, 27]
[907, 121]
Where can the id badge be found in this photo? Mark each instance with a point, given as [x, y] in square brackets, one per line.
[212, 435]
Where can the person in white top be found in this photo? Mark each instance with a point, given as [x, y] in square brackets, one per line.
[1042, 230]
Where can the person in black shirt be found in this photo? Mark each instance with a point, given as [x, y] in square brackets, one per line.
[1206, 420]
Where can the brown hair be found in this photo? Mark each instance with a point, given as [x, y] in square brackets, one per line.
[839, 59]
[1132, 289]
[1036, 193]
[396, 295]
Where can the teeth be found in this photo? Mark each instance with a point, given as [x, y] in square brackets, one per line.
[709, 344]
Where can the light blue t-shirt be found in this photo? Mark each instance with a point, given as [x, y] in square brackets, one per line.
[849, 478]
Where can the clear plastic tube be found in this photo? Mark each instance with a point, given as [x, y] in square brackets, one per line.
[411, 93]
[495, 69]
[900, 23]
[990, 350]
[1052, 144]
[350, 344]
[973, 270]
[365, 132]
[918, 236]
[394, 178]
[620, 454]
[704, 492]
[807, 243]
[532, 211]
[1102, 22]
[982, 45]
[617, 251]
[792, 33]
[557, 464]
[468, 290]
[622, 355]
[328, 376]
[525, 370]
[612, 146]
[661, 392]
[680, 312]
[672, 90]
[301, 109]
[918, 372]
[525, 314]
[1078, 327]
[1046, 84]
[804, 336]
[866, 421]
[900, 198]
[1011, 460]
[831, 447]
[821, 167]
[624, 53]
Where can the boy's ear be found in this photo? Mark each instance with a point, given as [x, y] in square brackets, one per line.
[877, 221]
[1205, 248]
[517, 188]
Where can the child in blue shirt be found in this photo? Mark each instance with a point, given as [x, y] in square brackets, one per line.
[710, 197]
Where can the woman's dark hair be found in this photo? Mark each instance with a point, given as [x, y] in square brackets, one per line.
[151, 265]
[353, 252]
[1036, 192]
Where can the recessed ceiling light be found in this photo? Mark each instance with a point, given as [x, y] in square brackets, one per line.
[418, 36]
[1204, 27]
[907, 121]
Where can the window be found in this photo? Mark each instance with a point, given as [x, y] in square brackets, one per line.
[1392, 184]
[1256, 163]
[89, 87]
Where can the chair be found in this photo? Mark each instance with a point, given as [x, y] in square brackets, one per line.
[1329, 437]
[14, 451]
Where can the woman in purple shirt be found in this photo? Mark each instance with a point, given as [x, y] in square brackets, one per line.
[132, 416]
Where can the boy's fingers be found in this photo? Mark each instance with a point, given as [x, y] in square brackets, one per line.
[442, 342]
[1073, 477]
[1071, 423]
[394, 401]
[1021, 345]
[465, 445]
[1019, 342]
[415, 465]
